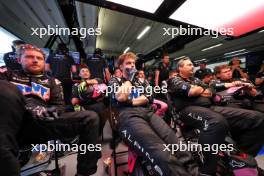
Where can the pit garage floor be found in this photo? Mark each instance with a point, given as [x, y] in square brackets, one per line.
[69, 162]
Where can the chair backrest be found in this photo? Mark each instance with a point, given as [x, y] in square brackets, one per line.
[113, 120]
[113, 116]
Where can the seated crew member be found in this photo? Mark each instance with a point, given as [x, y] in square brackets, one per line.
[244, 90]
[200, 72]
[237, 71]
[31, 111]
[98, 65]
[207, 76]
[145, 132]
[192, 100]
[259, 81]
[10, 58]
[172, 74]
[150, 78]
[90, 94]
[159, 106]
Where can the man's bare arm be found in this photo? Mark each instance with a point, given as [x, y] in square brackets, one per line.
[157, 72]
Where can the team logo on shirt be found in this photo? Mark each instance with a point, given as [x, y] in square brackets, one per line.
[184, 87]
[35, 89]
[135, 93]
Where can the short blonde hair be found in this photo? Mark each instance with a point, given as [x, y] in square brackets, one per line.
[123, 57]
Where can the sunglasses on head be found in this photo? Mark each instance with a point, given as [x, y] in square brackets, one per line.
[28, 46]
[31, 47]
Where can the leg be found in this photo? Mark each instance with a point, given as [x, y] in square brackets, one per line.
[246, 126]
[11, 119]
[84, 123]
[259, 107]
[101, 110]
[143, 139]
[163, 130]
[213, 129]
[168, 136]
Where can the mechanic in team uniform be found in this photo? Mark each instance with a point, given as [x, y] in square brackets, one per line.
[207, 76]
[244, 93]
[98, 65]
[10, 58]
[237, 71]
[145, 132]
[32, 112]
[162, 71]
[62, 66]
[90, 94]
[200, 72]
[192, 99]
[259, 81]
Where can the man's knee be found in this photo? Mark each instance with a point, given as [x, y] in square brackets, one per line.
[91, 117]
[218, 125]
[258, 115]
[209, 120]
[220, 122]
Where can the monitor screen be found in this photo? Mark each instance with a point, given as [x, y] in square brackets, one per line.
[76, 56]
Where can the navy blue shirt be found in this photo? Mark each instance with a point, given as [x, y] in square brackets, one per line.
[164, 72]
[137, 90]
[60, 65]
[179, 88]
